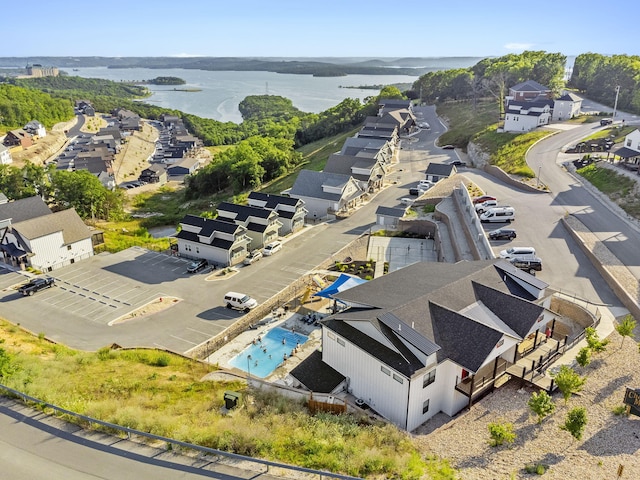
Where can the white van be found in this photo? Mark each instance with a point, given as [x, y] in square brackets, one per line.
[498, 214]
[239, 301]
[518, 252]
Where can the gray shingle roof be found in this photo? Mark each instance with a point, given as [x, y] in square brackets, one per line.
[24, 209]
[316, 375]
[309, 184]
[208, 226]
[440, 169]
[68, 221]
[243, 212]
[274, 200]
[390, 211]
[529, 86]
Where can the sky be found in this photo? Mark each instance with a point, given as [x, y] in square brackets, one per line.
[319, 28]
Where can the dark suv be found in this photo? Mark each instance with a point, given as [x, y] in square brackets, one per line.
[197, 265]
[528, 264]
[502, 234]
[35, 285]
[606, 121]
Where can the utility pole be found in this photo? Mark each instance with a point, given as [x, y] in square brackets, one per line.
[615, 105]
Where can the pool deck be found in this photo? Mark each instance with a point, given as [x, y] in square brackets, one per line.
[289, 320]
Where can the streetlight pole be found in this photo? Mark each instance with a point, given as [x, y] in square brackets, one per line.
[615, 104]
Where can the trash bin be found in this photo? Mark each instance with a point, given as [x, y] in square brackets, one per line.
[231, 399]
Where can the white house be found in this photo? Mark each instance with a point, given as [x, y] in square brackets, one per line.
[5, 155]
[524, 116]
[566, 107]
[35, 128]
[326, 193]
[291, 211]
[49, 241]
[419, 340]
[262, 224]
[630, 152]
[221, 243]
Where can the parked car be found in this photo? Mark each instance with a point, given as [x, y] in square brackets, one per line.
[529, 264]
[486, 205]
[197, 265]
[502, 234]
[517, 252]
[458, 163]
[499, 214]
[272, 248]
[35, 285]
[239, 301]
[415, 191]
[406, 201]
[447, 147]
[483, 198]
[252, 257]
[424, 125]
[606, 121]
[425, 184]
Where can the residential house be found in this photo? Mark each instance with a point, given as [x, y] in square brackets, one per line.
[262, 224]
[36, 129]
[106, 140]
[524, 116]
[32, 235]
[369, 172]
[184, 166]
[326, 193]
[128, 120]
[378, 149]
[291, 211]
[389, 104]
[438, 171]
[528, 90]
[431, 337]
[5, 155]
[403, 118]
[389, 216]
[566, 107]
[374, 127]
[221, 243]
[113, 132]
[155, 173]
[630, 151]
[18, 138]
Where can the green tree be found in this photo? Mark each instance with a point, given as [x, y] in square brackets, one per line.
[593, 340]
[389, 91]
[501, 433]
[83, 191]
[584, 356]
[541, 404]
[626, 327]
[568, 381]
[576, 422]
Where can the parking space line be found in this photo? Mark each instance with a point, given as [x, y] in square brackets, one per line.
[198, 331]
[182, 339]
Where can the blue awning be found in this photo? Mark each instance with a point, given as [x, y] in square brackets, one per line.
[344, 282]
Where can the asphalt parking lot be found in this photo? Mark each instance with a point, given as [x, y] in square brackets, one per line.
[90, 295]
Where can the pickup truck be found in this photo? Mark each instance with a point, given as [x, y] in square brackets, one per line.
[36, 285]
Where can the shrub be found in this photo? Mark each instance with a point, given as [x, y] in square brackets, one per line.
[541, 404]
[619, 410]
[576, 422]
[593, 340]
[584, 356]
[501, 433]
[537, 468]
[568, 382]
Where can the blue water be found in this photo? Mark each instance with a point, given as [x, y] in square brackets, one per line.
[260, 363]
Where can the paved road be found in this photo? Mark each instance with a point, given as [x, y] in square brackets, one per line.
[36, 447]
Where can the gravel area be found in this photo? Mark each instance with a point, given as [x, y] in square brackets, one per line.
[609, 440]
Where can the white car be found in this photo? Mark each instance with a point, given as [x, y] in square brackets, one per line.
[484, 206]
[272, 248]
[406, 201]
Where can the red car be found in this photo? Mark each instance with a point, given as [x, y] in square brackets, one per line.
[483, 199]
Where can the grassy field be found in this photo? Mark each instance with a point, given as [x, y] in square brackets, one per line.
[464, 121]
[166, 395]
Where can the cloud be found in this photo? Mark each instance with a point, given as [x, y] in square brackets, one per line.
[518, 46]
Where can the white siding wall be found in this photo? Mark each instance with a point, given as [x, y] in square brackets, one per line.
[212, 254]
[382, 392]
[50, 252]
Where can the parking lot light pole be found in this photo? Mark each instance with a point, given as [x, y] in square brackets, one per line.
[615, 104]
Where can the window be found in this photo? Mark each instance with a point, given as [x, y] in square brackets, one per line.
[340, 341]
[385, 370]
[398, 378]
[425, 406]
[429, 378]
[68, 247]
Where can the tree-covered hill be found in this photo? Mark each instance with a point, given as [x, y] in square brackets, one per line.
[18, 106]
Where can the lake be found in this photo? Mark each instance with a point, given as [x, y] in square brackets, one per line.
[222, 91]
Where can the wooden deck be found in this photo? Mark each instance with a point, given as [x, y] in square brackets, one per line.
[532, 366]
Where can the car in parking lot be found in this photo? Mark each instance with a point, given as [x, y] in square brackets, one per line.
[406, 201]
[253, 257]
[502, 234]
[272, 248]
[486, 205]
[483, 198]
[197, 265]
[35, 285]
[606, 121]
[529, 263]
[415, 191]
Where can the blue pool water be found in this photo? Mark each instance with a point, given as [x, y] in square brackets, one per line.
[264, 357]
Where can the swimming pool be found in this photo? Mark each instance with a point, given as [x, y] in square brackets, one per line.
[263, 357]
